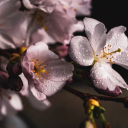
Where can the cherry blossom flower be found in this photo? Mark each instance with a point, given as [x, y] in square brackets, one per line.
[101, 50]
[46, 74]
[50, 26]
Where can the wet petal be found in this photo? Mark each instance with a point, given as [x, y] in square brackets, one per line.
[99, 38]
[90, 24]
[121, 59]
[37, 51]
[49, 87]
[58, 70]
[39, 95]
[103, 77]
[117, 39]
[81, 51]
[96, 33]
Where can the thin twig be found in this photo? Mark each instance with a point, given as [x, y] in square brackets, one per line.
[83, 96]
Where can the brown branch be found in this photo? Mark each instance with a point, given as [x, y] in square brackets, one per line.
[83, 96]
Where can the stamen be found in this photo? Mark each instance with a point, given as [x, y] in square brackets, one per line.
[39, 69]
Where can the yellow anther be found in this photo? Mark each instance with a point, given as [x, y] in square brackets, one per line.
[75, 9]
[42, 71]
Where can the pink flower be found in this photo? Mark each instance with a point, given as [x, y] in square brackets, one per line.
[101, 50]
[45, 73]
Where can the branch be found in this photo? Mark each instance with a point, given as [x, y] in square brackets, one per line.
[83, 96]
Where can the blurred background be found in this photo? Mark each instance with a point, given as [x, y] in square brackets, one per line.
[67, 110]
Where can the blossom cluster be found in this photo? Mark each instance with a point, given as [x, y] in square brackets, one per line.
[38, 72]
[30, 67]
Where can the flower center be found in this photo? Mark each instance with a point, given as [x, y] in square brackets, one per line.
[40, 17]
[107, 57]
[39, 68]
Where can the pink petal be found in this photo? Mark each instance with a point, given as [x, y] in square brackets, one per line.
[38, 51]
[49, 87]
[81, 51]
[39, 105]
[58, 70]
[39, 95]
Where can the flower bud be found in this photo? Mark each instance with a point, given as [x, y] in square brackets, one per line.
[116, 92]
[15, 83]
[14, 68]
[4, 80]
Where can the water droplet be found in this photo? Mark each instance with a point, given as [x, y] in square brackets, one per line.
[83, 61]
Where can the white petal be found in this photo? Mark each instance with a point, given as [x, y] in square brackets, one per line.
[49, 87]
[37, 51]
[117, 39]
[15, 101]
[96, 33]
[10, 106]
[38, 95]
[24, 90]
[90, 24]
[81, 51]
[121, 59]
[27, 4]
[58, 70]
[104, 77]
[51, 55]
[98, 38]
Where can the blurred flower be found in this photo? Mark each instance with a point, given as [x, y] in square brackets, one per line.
[81, 7]
[10, 103]
[62, 51]
[12, 29]
[46, 74]
[48, 22]
[101, 51]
